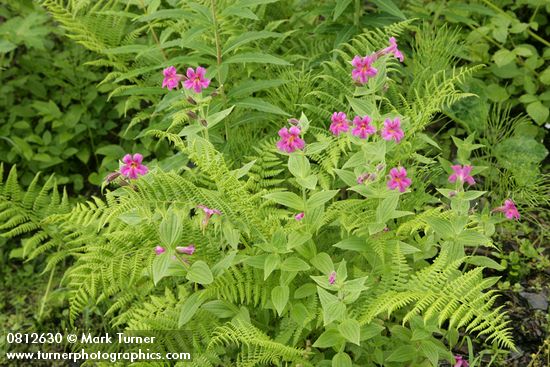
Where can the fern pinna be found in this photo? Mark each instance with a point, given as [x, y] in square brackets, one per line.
[324, 245]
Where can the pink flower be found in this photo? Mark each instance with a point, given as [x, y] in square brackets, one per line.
[290, 140]
[340, 123]
[189, 250]
[399, 179]
[460, 362]
[159, 250]
[363, 128]
[462, 174]
[392, 130]
[299, 216]
[209, 213]
[392, 49]
[332, 278]
[509, 209]
[196, 80]
[363, 68]
[132, 166]
[171, 78]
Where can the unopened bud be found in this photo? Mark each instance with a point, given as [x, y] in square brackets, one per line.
[191, 100]
[294, 121]
[204, 122]
[192, 114]
[214, 93]
[112, 176]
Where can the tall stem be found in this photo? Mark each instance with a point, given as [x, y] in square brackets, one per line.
[218, 58]
[155, 37]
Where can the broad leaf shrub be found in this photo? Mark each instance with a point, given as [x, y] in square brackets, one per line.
[340, 242]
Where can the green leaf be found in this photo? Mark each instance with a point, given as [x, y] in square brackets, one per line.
[247, 37]
[255, 57]
[323, 263]
[341, 5]
[538, 112]
[259, 104]
[170, 229]
[320, 198]
[294, 264]
[403, 353]
[353, 244]
[279, 297]
[160, 266]
[545, 76]
[350, 330]
[215, 118]
[329, 338]
[371, 330]
[309, 182]
[485, 262]
[200, 273]
[442, 227]
[305, 290]
[386, 208]
[298, 165]
[389, 7]
[341, 360]
[272, 262]
[333, 308]
[190, 307]
[503, 57]
[247, 87]
[288, 199]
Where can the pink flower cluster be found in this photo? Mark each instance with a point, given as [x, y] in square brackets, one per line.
[363, 69]
[363, 129]
[132, 166]
[398, 179]
[187, 250]
[463, 174]
[290, 140]
[194, 79]
[208, 213]
[509, 209]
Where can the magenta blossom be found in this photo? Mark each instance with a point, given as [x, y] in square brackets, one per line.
[340, 123]
[392, 49]
[363, 128]
[208, 213]
[171, 78]
[392, 130]
[509, 209]
[363, 68]
[159, 250]
[290, 140]
[196, 80]
[462, 174]
[132, 166]
[460, 362]
[332, 278]
[188, 250]
[399, 179]
[299, 216]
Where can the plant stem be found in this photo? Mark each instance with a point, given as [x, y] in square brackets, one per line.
[155, 37]
[218, 58]
[43, 302]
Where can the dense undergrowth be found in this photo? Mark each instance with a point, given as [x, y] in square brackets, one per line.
[333, 183]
